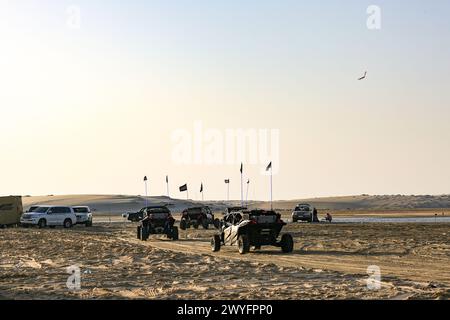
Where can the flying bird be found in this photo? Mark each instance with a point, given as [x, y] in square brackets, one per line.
[364, 76]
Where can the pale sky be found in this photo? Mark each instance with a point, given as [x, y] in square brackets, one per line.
[93, 109]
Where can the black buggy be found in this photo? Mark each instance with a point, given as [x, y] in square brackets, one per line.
[157, 220]
[253, 228]
[198, 216]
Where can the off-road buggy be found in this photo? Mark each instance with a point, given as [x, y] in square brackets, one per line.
[253, 228]
[198, 216]
[157, 220]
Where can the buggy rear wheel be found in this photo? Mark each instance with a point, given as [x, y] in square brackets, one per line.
[215, 243]
[205, 224]
[139, 232]
[174, 233]
[195, 224]
[145, 233]
[287, 243]
[183, 224]
[243, 244]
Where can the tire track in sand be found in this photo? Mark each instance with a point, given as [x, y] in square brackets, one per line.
[398, 267]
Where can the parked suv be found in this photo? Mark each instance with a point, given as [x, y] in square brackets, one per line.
[305, 212]
[84, 215]
[51, 216]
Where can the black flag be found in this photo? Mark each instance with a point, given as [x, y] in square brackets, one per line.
[227, 180]
[201, 187]
[145, 178]
[248, 181]
[269, 166]
[242, 167]
[167, 179]
[183, 188]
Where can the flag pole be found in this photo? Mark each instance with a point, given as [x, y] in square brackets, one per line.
[271, 192]
[228, 191]
[242, 192]
[146, 200]
[167, 183]
[246, 196]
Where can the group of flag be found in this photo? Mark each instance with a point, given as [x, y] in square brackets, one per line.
[184, 187]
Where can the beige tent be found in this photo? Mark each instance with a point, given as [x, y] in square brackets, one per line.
[10, 210]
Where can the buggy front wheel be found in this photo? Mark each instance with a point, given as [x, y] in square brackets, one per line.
[287, 243]
[215, 243]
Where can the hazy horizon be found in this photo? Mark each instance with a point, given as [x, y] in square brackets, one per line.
[231, 200]
[92, 104]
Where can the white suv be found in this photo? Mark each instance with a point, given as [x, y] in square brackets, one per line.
[50, 216]
[84, 215]
[305, 212]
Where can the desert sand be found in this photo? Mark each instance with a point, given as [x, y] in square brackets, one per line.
[329, 262]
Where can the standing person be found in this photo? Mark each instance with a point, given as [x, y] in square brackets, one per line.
[315, 218]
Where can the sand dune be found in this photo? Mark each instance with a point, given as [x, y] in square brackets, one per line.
[118, 204]
[378, 202]
[109, 204]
